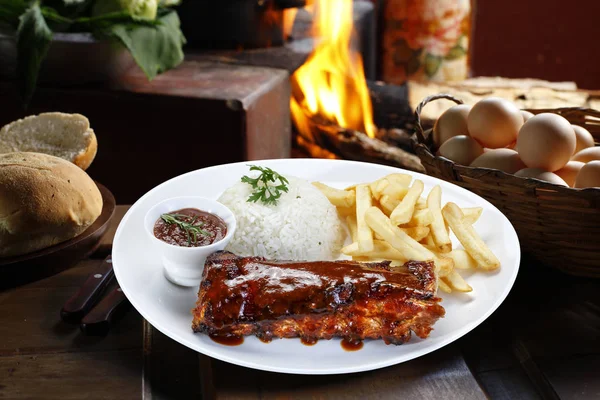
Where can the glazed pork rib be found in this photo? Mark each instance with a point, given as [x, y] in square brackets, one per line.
[315, 300]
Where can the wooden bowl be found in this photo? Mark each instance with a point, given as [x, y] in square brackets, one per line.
[52, 260]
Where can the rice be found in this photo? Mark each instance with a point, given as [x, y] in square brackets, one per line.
[303, 225]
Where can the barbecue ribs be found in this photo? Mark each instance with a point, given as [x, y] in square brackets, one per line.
[315, 300]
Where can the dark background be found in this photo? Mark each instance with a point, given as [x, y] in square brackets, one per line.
[555, 40]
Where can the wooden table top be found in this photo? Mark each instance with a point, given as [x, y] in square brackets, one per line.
[541, 343]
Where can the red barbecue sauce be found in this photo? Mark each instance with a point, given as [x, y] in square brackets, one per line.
[213, 227]
[231, 340]
[352, 345]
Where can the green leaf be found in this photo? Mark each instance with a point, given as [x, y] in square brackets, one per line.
[455, 53]
[154, 48]
[169, 3]
[432, 64]
[10, 11]
[33, 41]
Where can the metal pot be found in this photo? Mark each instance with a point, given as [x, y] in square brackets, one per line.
[234, 24]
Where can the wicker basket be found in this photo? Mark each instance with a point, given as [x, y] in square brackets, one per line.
[557, 225]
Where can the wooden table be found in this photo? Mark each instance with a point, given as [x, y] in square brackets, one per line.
[541, 343]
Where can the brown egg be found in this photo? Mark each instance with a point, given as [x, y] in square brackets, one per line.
[569, 172]
[584, 138]
[546, 141]
[526, 115]
[453, 122]
[461, 149]
[506, 160]
[589, 175]
[587, 155]
[542, 175]
[494, 122]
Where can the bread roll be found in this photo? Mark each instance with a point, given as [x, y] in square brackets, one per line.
[44, 200]
[67, 136]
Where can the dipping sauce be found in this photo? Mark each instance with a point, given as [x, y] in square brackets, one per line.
[190, 227]
[227, 340]
[349, 345]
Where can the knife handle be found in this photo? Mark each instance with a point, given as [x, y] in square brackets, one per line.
[89, 293]
[99, 320]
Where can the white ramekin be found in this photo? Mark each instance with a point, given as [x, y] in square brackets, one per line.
[184, 265]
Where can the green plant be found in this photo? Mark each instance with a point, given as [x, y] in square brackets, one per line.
[149, 29]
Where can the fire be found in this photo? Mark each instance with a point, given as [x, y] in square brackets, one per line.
[331, 84]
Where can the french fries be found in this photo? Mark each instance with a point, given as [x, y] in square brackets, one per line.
[421, 218]
[462, 259]
[456, 282]
[472, 214]
[417, 232]
[469, 238]
[393, 219]
[364, 235]
[351, 222]
[402, 214]
[438, 226]
[337, 197]
[381, 250]
[397, 238]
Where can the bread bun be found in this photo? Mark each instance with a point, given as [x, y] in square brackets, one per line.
[44, 200]
[67, 136]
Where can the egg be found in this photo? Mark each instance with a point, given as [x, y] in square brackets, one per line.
[494, 122]
[542, 175]
[526, 115]
[461, 149]
[589, 175]
[587, 155]
[546, 141]
[453, 122]
[584, 138]
[569, 172]
[506, 160]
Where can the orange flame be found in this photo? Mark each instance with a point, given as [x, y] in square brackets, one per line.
[331, 84]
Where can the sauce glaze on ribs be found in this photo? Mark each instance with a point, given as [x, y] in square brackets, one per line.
[315, 300]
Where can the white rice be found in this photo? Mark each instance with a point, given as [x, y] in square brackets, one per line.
[303, 225]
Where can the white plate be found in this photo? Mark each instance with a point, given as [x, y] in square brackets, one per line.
[167, 307]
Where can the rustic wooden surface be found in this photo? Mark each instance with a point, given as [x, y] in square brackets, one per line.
[541, 343]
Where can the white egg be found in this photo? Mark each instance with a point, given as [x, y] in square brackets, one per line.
[506, 160]
[569, 172]
[546, 141]
[494, 122]
[461, 149]
[542, 175]
[584, 138]
[589, 175]
[587, 155]
[453, 122]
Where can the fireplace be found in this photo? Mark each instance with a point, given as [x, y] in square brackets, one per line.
[222, 105]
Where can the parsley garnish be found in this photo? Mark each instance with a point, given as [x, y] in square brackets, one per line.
[264, 186]
[191, 230]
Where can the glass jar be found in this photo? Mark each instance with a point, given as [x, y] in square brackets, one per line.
[425, 40]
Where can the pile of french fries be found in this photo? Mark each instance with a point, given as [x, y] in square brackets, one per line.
[390, 219]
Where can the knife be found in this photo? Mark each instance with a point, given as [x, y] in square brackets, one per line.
[98, 321]
[89, 293]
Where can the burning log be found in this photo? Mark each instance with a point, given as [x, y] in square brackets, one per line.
[353, 145]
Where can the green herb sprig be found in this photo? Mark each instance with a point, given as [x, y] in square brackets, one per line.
[266, 188]
[190, 228]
